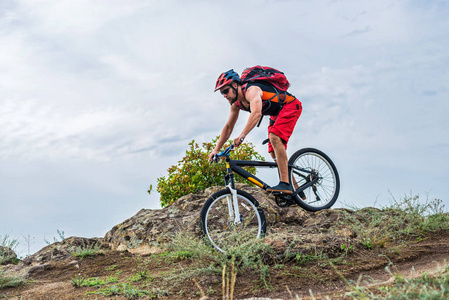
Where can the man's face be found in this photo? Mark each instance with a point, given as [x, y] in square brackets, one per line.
[229, 93]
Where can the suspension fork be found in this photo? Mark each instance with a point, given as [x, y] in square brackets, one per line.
[233, 205]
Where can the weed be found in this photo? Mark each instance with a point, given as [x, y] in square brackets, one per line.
[366, 242]
[29, 241]
[200, 292]
[228, 282]
[8, 242]
[111, 290]
[210, 291]
[86, 251]
[142, 270]
[307, 258]
[55, 240]
[78, 281]
[242, 255]
[398, 278]
[424, 287]
[111, 279]
[143, 275]
[346, 249]
[279, 266]
[93, 281]
[182, 255]
[403, 220]
[129, 291]
[10, 281]
[111, 268]
[265, 277]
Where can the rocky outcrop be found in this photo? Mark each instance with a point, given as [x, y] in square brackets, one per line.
[63, 250]
[151, 227]
[290, 229]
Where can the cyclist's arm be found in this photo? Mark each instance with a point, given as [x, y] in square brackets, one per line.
[254, 97]
[227, 130]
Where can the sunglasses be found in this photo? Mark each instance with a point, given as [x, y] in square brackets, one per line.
[225, 91]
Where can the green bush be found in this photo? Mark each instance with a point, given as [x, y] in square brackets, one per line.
[194, 173]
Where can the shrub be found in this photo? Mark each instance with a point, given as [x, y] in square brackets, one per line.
[193, 173]
[10, 281]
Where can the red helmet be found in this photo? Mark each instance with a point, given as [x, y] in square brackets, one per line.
[226, 78]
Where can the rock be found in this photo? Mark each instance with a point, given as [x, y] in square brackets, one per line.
[7, 256]
[74, 263]
[62, 250]
[154, 226]
[34, 270]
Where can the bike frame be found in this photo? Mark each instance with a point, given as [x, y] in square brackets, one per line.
[235, 166]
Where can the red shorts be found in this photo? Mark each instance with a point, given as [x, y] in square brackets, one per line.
[283, 124]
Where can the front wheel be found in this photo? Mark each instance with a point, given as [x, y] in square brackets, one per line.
[219, 228]
[307, 165]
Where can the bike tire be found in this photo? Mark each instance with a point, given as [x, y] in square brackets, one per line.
[221, 232]
[324, 193]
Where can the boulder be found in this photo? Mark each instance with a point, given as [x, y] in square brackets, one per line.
[62, 250]
[7, 256]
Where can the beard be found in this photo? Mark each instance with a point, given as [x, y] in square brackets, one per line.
[234, 99]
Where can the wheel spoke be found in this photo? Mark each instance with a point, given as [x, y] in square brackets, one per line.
[324, 191]
[221, 230]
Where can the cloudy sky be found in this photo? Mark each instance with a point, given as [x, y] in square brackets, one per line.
[99, 98]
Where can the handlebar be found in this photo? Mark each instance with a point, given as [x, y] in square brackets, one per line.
[223, 153]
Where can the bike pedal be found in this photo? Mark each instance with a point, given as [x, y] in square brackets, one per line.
[284, 201]
[277, 194]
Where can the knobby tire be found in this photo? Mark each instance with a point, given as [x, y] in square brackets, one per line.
[324, 193]
[221, 232]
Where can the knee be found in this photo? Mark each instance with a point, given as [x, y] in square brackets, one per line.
[274, 139]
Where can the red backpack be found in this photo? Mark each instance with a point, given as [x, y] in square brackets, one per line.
[266, 74]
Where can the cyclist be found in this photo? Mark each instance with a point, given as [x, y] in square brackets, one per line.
[260, 98]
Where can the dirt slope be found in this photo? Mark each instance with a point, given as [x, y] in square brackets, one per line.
[322, 253]
[54, 282]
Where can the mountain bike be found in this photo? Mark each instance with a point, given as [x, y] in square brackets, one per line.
[232, 216]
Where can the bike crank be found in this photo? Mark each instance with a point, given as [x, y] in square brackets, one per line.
[284, 200]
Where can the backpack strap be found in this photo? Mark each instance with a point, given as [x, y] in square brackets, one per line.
[281, 100]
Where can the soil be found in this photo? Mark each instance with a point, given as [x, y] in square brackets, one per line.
[287, 280]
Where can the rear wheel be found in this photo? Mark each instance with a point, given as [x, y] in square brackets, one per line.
[220, 229]
[307, 165]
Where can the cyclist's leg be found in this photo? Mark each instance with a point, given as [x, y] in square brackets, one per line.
[294, 182]
[280, 154]
[280, 129]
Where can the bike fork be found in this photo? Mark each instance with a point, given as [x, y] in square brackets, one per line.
[233, 205]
